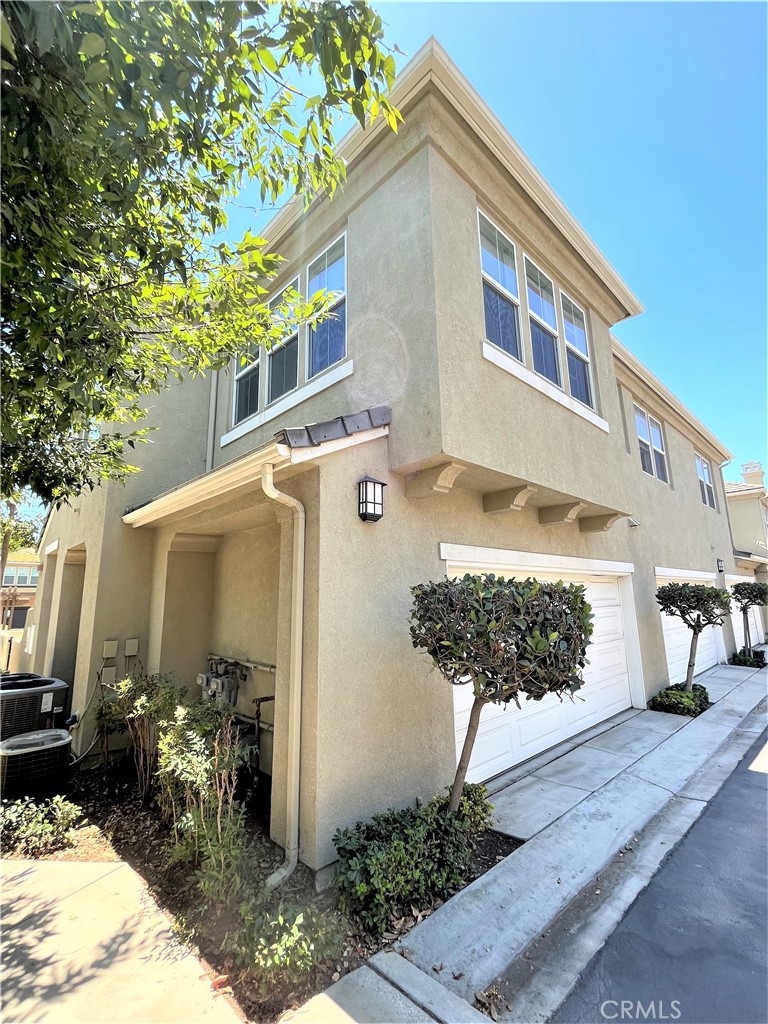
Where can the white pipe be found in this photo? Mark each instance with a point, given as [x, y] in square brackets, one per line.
[295, 677]
[213, 402]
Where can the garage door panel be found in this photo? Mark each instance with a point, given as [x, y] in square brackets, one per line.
[677, 645]
[507, 736]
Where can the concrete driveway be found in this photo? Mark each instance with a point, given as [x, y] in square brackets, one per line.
[86, 943]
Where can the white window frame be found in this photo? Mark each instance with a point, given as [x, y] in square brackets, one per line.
[555, 331]
[514, 299]
[241, 373]
[662, 451]
[268, 400]
[342, 297]
[577, 352]
[701, 462]
[9, 569]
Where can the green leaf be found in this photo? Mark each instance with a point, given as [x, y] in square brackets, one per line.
[92, 45]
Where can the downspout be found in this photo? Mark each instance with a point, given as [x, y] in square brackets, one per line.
[294, 677]
[213, 402]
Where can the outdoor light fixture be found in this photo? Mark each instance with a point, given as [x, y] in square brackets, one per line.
[370, 499]
[720, 565]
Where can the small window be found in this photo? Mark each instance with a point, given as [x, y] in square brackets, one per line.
[9, 577]
[500, 301]
[33, 577]
[650, 437]
[706, 483]
[328, 340]
[247, 384]
[22, 576]
[283, 359]
[577, 351]
[543, 319]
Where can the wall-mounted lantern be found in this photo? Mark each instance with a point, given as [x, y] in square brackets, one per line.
[720, 565]
[370, 499]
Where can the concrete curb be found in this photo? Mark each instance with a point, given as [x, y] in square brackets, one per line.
[479, 932]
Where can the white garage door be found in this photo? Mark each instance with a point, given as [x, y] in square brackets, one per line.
[506, 735]
[677, 641]
[755, 626]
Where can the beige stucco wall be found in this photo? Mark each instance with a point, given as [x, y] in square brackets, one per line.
[187, 616]
[749, 531]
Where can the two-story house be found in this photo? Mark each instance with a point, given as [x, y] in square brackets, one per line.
[748, 511]
[470, 368]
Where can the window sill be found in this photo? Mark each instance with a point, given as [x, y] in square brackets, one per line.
[510, 365]
[289, 401]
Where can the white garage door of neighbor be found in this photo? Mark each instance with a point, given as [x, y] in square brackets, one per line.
[755, 626]
[506, 735]
[677, 644]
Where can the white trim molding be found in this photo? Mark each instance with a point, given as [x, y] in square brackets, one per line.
[511, 365]
[313, 387]
[665, 573]
[52, 548]
[464, 554]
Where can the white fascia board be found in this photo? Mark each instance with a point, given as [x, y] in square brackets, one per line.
[52, 548]
[463, 554]
[300, 455]
[663, 572]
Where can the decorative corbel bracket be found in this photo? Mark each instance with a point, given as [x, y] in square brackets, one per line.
[511, 500]
[553, 515]
[437, 480]
[599, 524]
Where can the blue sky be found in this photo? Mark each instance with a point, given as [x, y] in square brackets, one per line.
[649, 121]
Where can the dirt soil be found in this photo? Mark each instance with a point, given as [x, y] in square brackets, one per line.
[117, 827]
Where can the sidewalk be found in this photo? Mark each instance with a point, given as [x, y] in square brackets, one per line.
[86, 943]
[579, 810]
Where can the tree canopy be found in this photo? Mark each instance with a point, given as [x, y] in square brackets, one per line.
[698, 606]
[127, 129]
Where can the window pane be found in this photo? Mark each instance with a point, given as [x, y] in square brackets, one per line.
[541, 296]
[22, 576]
[660, 461]
[707, 471]
[544, 353]
[283, 368]
[575, 327]
[328, 341]
[34, 578]
[501, 323]
[8, 577]
[498, 256]
[642, 425]
[578, 377]
[327, 272]
[247, 358]
[711, 496]
[656, 438]
[645, 457]
[247, 401]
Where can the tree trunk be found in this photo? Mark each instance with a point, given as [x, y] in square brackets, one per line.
[466, 753]
[692, 661]
[747, 638]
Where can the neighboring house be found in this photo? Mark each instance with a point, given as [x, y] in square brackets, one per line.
[19, 588]
[470, 368]
[748, 511]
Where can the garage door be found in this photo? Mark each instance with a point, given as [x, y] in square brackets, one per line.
[677, 640]
[506, 735]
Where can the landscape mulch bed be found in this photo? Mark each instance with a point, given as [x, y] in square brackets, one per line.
[118, 826]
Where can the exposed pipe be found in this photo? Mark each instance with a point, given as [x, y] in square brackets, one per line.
[294, 676]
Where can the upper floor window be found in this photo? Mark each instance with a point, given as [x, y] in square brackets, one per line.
[328, 340]
[283, 358]
[541, 306]
[9, 576]
[576, 350]
[247, 383]
[500, 298]
[651, 440]
[20, 576]
[706, 483]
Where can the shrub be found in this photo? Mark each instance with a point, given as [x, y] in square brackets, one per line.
[676, 700]
[408, 857]
[35, 829]
[754, 660]
[278, 944]
[698, 606]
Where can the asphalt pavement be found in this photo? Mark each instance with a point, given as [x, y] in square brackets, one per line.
[692, 947]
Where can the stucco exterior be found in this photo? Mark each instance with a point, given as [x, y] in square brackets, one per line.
[207, 568]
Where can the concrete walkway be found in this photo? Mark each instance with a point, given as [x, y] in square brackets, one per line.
[577, 812]
[86, 943]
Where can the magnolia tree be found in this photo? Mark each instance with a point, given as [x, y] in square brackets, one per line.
[746, 596]
[698, 606]
[507, 638]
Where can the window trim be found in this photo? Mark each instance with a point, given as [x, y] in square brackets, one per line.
[701, 459]
[9, 570]
[499, 287]
[554, 331]
[241, 373]
[648, 417]
[579, 354]
[342, 298]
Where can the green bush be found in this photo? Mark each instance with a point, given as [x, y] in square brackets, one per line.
[35, 829]
[408, 857]
[676, 700]
[754, 660]
[278, 944]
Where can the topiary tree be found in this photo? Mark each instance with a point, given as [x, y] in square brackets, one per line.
[506, 637]
[748, 595]
[698, 606]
